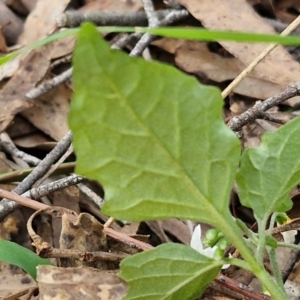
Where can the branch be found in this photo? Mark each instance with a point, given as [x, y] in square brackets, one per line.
[75, 18]
[147, 38]
[7, 206]
[259, 109]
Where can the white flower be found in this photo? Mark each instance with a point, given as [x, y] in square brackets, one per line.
[196, 244]
[289, 236]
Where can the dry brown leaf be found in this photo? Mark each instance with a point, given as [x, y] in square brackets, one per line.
[29, 4]
[32, 69]
[42, 20]
[86, 234]
[13, 280]
[17, 6]
[8, 69]
[13, 25]
[50, 112]
[79, 283]
[195, 58]
[35, 141]
[156, 227]
[285, 10]
[63, 47]
[20, 127]
[68, 198]
[177, 229]
[278, 67]
[3, 46]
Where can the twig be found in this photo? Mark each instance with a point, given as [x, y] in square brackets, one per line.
[43, 190]
[55, 166]
[147, 38]
[109, 222]
[75, 18]
[109, 231]
[7, 206]
[28, 292]
[150, 12]
[122, 41]
[259, 58]
[240, 288]
[280, 26]
[91, 195]
[223, 280]
[260, 107]
[268, 117]
[62, 60]
[293, 259]
[9, 147]
[84, 255]
[48, 85]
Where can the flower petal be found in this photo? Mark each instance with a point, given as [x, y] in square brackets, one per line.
[289, 236]
[209, 251]
[196, 242]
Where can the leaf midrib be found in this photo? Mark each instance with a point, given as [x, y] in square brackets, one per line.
[188, 181]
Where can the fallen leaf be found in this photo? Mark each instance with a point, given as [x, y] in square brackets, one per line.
[195, 58]
[42, 20]
[13, 25]
[50, 112]
[278, 67]
[31, 70]
[83, 282]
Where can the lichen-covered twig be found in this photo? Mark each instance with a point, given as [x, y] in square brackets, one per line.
[9, 147]
[7, 206]
[260, 107]
[75, 18]
[146, 39]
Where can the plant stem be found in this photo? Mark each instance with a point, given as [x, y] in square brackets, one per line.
[275, 267]
[292, 246]
[261, 240]
[227, 225]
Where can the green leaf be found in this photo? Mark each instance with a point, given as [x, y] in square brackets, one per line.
[170, 271]
[154, 137]
[268, 173]
[14, 254]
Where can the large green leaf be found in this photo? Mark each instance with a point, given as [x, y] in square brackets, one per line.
[268, 173]
[151, 135]
[17, 255]
[170, 271]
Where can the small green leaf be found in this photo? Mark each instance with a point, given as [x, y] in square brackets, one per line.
[153, 136]
[268, 173]
[170, 271]
[271, 242]
[14, 254]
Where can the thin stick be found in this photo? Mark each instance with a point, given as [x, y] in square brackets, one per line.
[260, 107]
[150, 13]
[7, 206]
[109, 231]
[48, 85]
[257, 60]
[109, 222]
